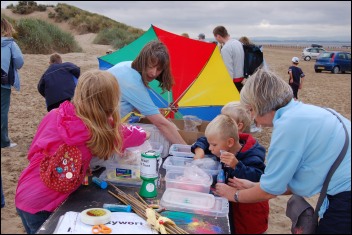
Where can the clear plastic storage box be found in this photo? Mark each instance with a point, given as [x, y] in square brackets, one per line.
[181, 150]
[194, 202]
[179, 180]
[156, 136]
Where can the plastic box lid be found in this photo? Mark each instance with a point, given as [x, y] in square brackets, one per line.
[180, 148]
[172, 200]
[190, 199]
[179, 163]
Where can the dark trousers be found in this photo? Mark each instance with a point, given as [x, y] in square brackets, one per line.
[5, 107]
[32, 222]
[2, 196]
[239, 86]
[294, 89]
[337, 218]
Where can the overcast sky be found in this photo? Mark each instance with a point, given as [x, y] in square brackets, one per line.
[291, 19]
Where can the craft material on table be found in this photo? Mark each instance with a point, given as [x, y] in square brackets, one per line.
[120, 223]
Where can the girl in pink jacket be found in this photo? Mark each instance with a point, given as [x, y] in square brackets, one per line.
[65, 142]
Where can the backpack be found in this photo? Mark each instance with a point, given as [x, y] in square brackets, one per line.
[8, 78]
[63, 171]
[253, 58]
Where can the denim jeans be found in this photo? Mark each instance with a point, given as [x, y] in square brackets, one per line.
[32, 222]
[2, 196]
[5, 107]
[337, 218]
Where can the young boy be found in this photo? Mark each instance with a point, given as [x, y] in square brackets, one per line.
[237, 113]
[242, 157]
[296, 77]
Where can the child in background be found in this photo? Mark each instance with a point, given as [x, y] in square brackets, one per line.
[65, 141]
[296, 77]
[242, 157]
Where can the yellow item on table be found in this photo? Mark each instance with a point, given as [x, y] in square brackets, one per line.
[157, 224]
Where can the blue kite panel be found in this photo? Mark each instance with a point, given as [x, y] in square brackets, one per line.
[103, 65]
[157, 99]
[204, 113]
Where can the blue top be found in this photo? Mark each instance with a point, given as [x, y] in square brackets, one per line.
[297, 74]
[134, 94]
[305, 142]
[9, 48]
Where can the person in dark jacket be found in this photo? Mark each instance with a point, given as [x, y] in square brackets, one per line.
[242, 157]
[59, 81]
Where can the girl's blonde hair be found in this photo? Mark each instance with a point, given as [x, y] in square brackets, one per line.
[223, 126]
[6, 28]
[238, 113]
[96, 99]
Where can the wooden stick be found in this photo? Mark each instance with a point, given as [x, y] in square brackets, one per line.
[139, 206]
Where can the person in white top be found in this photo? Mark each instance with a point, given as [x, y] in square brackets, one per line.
[232, 53]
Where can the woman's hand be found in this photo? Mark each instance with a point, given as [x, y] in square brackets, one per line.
[224, 190]
[240, 183]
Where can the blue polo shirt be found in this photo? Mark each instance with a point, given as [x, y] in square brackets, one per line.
[134, 94]
[305, 142]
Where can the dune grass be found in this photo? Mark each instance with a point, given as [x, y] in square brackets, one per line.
[35, 36]
[39, 37]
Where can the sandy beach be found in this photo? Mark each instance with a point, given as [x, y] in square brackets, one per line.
[28, 108]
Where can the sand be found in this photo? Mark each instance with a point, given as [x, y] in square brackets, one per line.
[28, 108]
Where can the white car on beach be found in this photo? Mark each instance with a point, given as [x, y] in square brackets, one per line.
[311, 53]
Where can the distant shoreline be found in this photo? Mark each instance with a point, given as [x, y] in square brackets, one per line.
[342, 47]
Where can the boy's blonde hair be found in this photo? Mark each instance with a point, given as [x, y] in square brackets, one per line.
[224, 127]
[238, 113]
[96, 99]
[7, 29]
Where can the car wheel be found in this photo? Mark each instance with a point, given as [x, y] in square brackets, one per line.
[318, 71]
[307, 58]
[335, 70]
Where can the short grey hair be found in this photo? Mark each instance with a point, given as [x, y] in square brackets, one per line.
[265, 91]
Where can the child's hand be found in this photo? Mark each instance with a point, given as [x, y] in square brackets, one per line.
[198, 153]
[228, 159]
[147, 135]
[300, 86]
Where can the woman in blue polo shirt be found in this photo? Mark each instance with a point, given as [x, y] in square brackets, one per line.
[306, 140]
[153, 62]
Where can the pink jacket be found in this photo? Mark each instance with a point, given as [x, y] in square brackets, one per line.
[57, 127]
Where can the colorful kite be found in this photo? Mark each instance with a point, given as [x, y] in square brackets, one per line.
[202, 84]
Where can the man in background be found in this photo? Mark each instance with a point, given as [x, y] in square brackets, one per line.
[232, 53]
[59, 81]
[201, 37]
